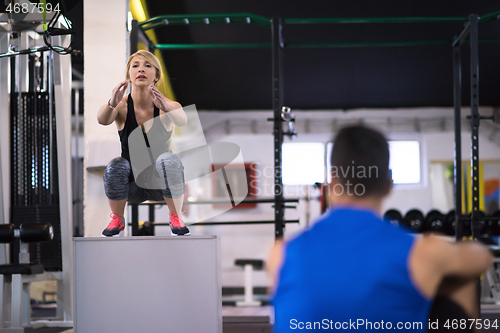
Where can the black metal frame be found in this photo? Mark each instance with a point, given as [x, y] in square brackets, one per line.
[474, 79]
[457, 176]
[151, 210]
[136, 36]
[278, 100]
[470, 30]
[220, 223]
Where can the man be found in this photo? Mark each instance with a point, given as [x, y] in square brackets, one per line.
[352, 270]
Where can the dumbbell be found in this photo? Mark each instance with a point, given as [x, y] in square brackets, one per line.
[494, 225]
[393, 216]
[449, 223]
[27, 233]
[434, 221]
[483, 227]
[414, 219]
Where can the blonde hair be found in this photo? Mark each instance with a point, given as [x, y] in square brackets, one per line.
[146, 56]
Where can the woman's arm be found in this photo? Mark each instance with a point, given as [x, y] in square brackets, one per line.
[109, 111]
[176, 113]
[173, 109]
[107, 115]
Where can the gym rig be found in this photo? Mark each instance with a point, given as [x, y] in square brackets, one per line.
[464, 225]
[277, 44]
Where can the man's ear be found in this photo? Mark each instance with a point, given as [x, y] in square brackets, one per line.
[335, 181]
[388, 187]
[331, 186]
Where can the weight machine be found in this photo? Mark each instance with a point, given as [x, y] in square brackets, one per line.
[35, 130]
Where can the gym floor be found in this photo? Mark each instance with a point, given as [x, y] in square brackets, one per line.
[235, 319]
[250, 320]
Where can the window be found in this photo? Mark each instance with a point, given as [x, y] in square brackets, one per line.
[405, 161]
[303, 163]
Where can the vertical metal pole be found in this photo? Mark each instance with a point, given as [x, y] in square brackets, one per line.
[5, 132]
[135, 219]
[474, 90]
[134, 37]
[152, 216]
[16, 305]
[50, 80]
[77, 121]
[21, 122]
[278, 96]
[457, 101]
[151, 213]
[61, 71]
[2, 295]
[24, 62]
[474, 124]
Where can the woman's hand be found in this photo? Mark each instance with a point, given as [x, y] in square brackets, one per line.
[159, 99]
[175, 113]
[118, 93]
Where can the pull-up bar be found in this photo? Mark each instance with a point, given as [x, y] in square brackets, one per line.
[277, 45]
[312, 45]
[245, 18]
[336, 20]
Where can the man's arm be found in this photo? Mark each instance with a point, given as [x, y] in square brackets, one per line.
[274, 262]
[467, 259]
[433, 259]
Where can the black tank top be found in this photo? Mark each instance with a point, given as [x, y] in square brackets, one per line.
[161, 139]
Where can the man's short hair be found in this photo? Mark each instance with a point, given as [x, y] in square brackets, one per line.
[360, 159]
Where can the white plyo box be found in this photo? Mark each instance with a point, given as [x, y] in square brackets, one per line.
[147, 284]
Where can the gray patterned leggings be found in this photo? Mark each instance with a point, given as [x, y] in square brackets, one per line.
[119, 185]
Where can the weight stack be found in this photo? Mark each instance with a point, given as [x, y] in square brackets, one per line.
[34, 174]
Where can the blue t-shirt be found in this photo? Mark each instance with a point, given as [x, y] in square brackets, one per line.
[349, 271]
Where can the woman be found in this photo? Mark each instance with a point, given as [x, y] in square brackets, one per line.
[144, 103]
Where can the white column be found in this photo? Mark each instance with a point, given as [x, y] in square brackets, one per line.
[4, 138]
[23, 63]
[62, 92]
[105, 43]
[17, 298]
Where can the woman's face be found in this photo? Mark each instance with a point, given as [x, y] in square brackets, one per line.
[141, 72]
